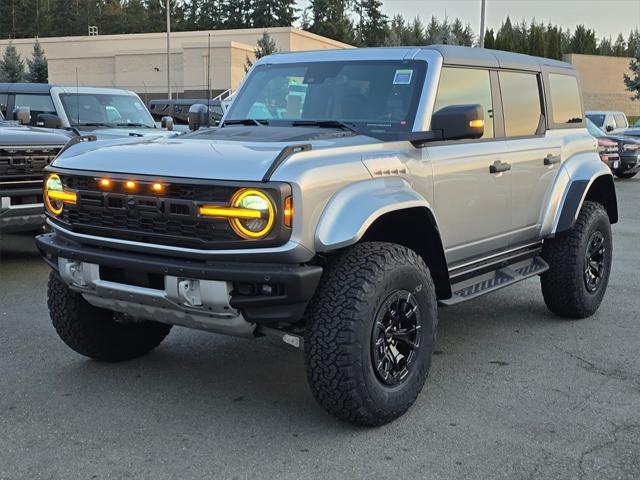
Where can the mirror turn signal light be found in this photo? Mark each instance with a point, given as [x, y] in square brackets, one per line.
[476, 123]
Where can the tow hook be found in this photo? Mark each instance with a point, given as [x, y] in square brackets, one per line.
[290, 338]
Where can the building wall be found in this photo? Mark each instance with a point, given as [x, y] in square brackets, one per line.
[138, 61]
[602, 81]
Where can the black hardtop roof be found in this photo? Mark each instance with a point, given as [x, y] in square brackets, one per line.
[25, 87]
[484, 57]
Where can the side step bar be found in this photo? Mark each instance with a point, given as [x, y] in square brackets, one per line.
[495, 280]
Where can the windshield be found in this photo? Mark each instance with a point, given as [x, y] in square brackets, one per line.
[93, 109]
[372, 96]
[598, 119]
[594, 130]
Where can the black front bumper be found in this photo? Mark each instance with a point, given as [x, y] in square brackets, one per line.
[292, 285]
[22, 218]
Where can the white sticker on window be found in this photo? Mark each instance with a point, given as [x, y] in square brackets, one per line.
[402, 77]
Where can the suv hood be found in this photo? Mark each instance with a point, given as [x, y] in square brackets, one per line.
[204, 155]
[16, 135]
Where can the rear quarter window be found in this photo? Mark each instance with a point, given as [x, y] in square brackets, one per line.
[621, 120]
[565, 99]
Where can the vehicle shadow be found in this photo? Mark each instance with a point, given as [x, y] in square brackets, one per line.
[18, 246]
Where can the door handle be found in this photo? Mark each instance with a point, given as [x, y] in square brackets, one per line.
[551, 159]
[499, 167]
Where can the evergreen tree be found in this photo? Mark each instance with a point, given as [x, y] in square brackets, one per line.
[521, 43]
[553, 40]
[209, 15]
[605, 47]
[11, 65]
[135, 17]
[633, 43]
[583, 41]
[619, 48]
[632, 81]
[536, 40]
[286, 12]
[462, 34]
[372, 28]
[265, 46]
[395, 31]
[38, 67]
[64, 19]
[330, 18]
[414, 33]
[237, 14]
[489, 40]
[504, 37]
[432, 33]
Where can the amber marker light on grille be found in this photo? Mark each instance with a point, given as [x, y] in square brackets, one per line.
[130, 185]
[476, 123]
[288, 211]
[157, 187]
[105, 182]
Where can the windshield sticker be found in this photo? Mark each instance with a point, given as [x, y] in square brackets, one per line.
[402, 77]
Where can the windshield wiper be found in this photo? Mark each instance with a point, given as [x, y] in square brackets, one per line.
[246, 121]
[134, 125]
[325, 124]
[93, 124]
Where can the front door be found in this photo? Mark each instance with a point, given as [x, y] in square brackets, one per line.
[471, 199]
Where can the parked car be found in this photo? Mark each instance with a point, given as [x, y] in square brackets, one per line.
[609, 121]
[179, 109]
[628, 150]
[405, 177]
[103, 112]
[24, 152]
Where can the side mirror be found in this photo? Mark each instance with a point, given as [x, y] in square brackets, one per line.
[609, 128]
[197, 116]
[22, 115]
[457, 122]
[48, 120]
[167, 122]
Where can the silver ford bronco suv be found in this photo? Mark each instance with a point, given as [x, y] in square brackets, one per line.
[345, 195]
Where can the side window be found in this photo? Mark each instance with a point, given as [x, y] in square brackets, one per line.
[3, 103]
[565, 99]
[463, 86]
[621, 120]
[37, 103]
[521, 103]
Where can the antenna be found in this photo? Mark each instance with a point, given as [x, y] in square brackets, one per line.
[77, 100]
[209, 82]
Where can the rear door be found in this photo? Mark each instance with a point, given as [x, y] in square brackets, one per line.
[471, 203]
[533, 152]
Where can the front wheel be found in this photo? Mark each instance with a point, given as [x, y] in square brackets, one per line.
[371, 329]
[579, 264]
[97, 333]
[625, 175]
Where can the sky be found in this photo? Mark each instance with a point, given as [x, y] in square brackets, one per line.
[607, 17]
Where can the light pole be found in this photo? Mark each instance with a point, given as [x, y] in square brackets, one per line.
[482, 25]
[168, 5]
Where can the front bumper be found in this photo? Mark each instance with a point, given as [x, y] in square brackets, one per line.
[21, 218]
[233, 294]
[629, 162]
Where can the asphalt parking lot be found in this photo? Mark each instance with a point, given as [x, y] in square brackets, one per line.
[514, 393]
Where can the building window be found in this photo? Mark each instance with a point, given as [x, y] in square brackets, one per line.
[565, 99]
[466, 86]
[521, 103]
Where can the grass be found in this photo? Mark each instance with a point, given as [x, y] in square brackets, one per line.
[633, 119]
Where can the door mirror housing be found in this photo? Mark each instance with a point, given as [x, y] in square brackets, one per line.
[48, 120]
[197, 116]
[22, 115]
[457, 122]
[609, 128]
[167, 122]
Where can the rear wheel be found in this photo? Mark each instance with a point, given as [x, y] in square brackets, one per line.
[579, 264]
[626, 174]
[98, 333]
[370, 333]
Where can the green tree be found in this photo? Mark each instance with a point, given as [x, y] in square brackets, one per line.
[583, 41]
[521, 34]
[462, 34]
[489, 39]
[620, 47]
[236, 13]
[38, 66]
[605, 47]
[553, 40]
[64, 18]
[372, 28]
[265, 46]
[633, 43]
[433, 33]
[536, 40]
[395, 31]
[285, 12]
[414, 34]
[330, 18]
[11, 65]
[632, 82]
[504, 37]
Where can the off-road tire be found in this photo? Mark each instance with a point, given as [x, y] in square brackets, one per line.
[625, 175]
[94, 332]
[340, 318]
[563, 285]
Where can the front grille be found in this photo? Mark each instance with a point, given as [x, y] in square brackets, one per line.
[21, 168]
[167, 219]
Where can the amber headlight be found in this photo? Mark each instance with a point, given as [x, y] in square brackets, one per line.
[55, 195]
[251, 213]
